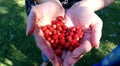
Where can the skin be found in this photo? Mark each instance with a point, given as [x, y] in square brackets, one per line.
[83, 14]
[91, 25]
[80, 14]
[41, 15]
[95, 5]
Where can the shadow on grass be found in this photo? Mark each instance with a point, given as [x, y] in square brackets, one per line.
[15, 47]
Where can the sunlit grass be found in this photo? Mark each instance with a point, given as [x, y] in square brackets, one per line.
[3, 10]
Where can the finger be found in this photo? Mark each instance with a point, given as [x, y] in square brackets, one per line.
[44, 46]
[70, 61]
[96, 33]
[84, 48]
[30, 23]
[60, 61]
[66, 63]
[48, 51]
[64, 54]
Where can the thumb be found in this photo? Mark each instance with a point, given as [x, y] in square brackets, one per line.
[96, 33]
[30, 23]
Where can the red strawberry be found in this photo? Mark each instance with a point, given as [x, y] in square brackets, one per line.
[62, 41]
[44, 28]
[56, 41]
[52, 41]
[50, 29]
[72, 29]
[71, 33]
[67, 45]
[50, 33]
[76, 45]
[58, 52]
[62, 34]
[60, 47]
[73, 42]
[60, 37]
[78, 28]
[48, 38]
[71, 48]
[64, 27]
[81, 34]
[54, 32]
[54, 22]
[55, 36]
[69, 38]
[46, 32]
[54, 46]
[59, 28]
[59, 18]
[76, 37]
[54, 26]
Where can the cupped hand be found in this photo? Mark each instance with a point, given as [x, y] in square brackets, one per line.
[41, 15]
[91, 24]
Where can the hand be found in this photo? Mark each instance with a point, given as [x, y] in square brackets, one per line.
[42, 15]
[91, 24]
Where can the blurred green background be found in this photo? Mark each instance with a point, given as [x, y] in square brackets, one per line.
[17, 49]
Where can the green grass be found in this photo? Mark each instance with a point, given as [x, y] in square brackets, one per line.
[17, 49]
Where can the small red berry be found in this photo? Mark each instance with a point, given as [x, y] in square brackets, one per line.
[67, 45]
[54, 22]
[76, 45]
[76, 37]
[59, 29]
[58, 24]
[52, 41]
[73, 42]
[51, 29]
[54, 32]
[44, 28]
[62, 41]
[69, 38]
[54, 26]
[71, 48]
[54, 46]
[81, 35]
[48, 26]
[48, 38]
[78, 28]
[50, 33]
[59, 18]
[46, 32]
[58, 52]
[55, 36]
[56, 41]
[60, 47]
[78, 31]
[71, 33]
[72, 29]
[62, 34]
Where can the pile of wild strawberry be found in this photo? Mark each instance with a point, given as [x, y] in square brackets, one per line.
[60, 37]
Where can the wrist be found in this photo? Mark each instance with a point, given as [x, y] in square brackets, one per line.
[92, 5]
[82, 7]
[42, 1]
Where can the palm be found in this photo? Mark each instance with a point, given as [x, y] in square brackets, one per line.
[41, 15]
[91, 25]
